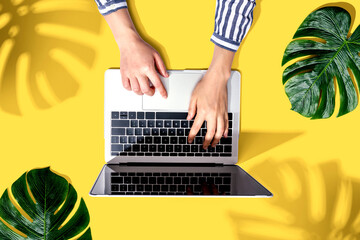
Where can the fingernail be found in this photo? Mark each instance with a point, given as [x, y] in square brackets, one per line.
[190, 141]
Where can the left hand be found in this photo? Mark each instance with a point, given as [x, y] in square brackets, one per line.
[209, 103]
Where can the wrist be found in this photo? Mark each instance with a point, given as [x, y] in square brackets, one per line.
[221, 63]
[127, 39]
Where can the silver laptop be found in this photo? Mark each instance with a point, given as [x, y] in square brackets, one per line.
[146, 148]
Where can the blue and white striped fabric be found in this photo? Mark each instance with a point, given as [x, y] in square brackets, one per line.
[233, 19]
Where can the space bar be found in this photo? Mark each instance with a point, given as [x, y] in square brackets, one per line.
[171, 115]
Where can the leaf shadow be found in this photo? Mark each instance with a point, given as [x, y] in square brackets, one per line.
[28, 40]
[318, 202]
[254, 143]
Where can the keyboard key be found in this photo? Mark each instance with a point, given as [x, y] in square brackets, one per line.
[142, 123]
[173, 154]
[157, 140]
[127, 148]
[148, 154]
[136, 148]
[165, 154]
[123, 188]
[198, 140]
[129, 131]
[139, 188]
[131, 154]
[131, 188]
[224, 188]
[132, 115]
[123, 139]
[120, 123]
[184, 124]
[182, 140]
[140, 115]
[227, 149]
[127, 180]
[190, 154]
[185, 180]
[165, 140]
[176, 124]
[144, 180]
[172, 188]
[177, 180]
[163, 132]
[230, 116]
[135, 180]
[148, 140]
[177, 148]
[138, 131]
[118, 131]
[186, 148]
[215, 155]
[144, 148]
[203, 132]
[150, 115]
[115, 174]
[230, 124]
[198, 154]
[159, 123]
[226, 140]
[164, 188]
[114, 139]
[180, 132]
[134, 123]
[114, 188]
[117, 179]
[227, 180]
[211, 149]
[131, 139]
[156, 188]
[155, 132]
[181, 188]
[206, 154]
[152, 180]
[169, 148]
[151, 123]
[123, 115]
[172, 132]
[225, 154]
[123, 154]
[161, 148]
[146, 131]
[219, 148]
[173, 140]
[117, 147]
[115, 154]
[171, 115]
[182, 154]
[168, 124]
[148, 188]
[194, 180]
[152, 148]
[140, 154]
[187, 131]
[115, 115]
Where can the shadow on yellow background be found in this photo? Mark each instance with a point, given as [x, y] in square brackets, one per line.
[254, 143]
[316, 203]
[32, 46]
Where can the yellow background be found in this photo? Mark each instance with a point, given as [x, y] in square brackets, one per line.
[299, 160]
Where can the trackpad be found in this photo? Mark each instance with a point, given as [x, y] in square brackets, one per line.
[179, 87]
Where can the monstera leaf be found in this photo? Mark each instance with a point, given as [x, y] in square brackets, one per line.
[39, 207]
[330, 58]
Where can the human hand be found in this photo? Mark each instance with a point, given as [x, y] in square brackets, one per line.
[139, 63]
[209, 103]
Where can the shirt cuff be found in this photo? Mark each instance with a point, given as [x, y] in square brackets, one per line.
[225, 43]
[111, 6]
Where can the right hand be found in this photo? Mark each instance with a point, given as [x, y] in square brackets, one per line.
[139, 63]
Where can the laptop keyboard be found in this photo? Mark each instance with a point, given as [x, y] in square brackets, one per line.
[161, 134]
[155, 183]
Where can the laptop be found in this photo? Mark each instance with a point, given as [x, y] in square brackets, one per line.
[146, 148]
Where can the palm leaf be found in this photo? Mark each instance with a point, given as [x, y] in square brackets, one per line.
[48, 200]
[310, 84]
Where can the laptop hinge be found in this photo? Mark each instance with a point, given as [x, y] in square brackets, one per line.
[171, 164]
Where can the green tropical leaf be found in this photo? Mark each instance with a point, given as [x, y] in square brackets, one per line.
[48, 200]
[329, 54]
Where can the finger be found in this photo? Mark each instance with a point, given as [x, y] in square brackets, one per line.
[211, 127]
[214, 189]
[155, 80]
[205, 189]
[189, 191]
[192, 109]
[135, 86]
[195, 127]
[219, 131]
[145, 86]
[160, 65]
[226, 131]
[125, 82]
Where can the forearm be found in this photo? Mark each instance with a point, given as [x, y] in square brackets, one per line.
[122, 28]
[221, 63]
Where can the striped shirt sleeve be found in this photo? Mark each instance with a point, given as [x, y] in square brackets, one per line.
[233, 19]
[109, 6]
